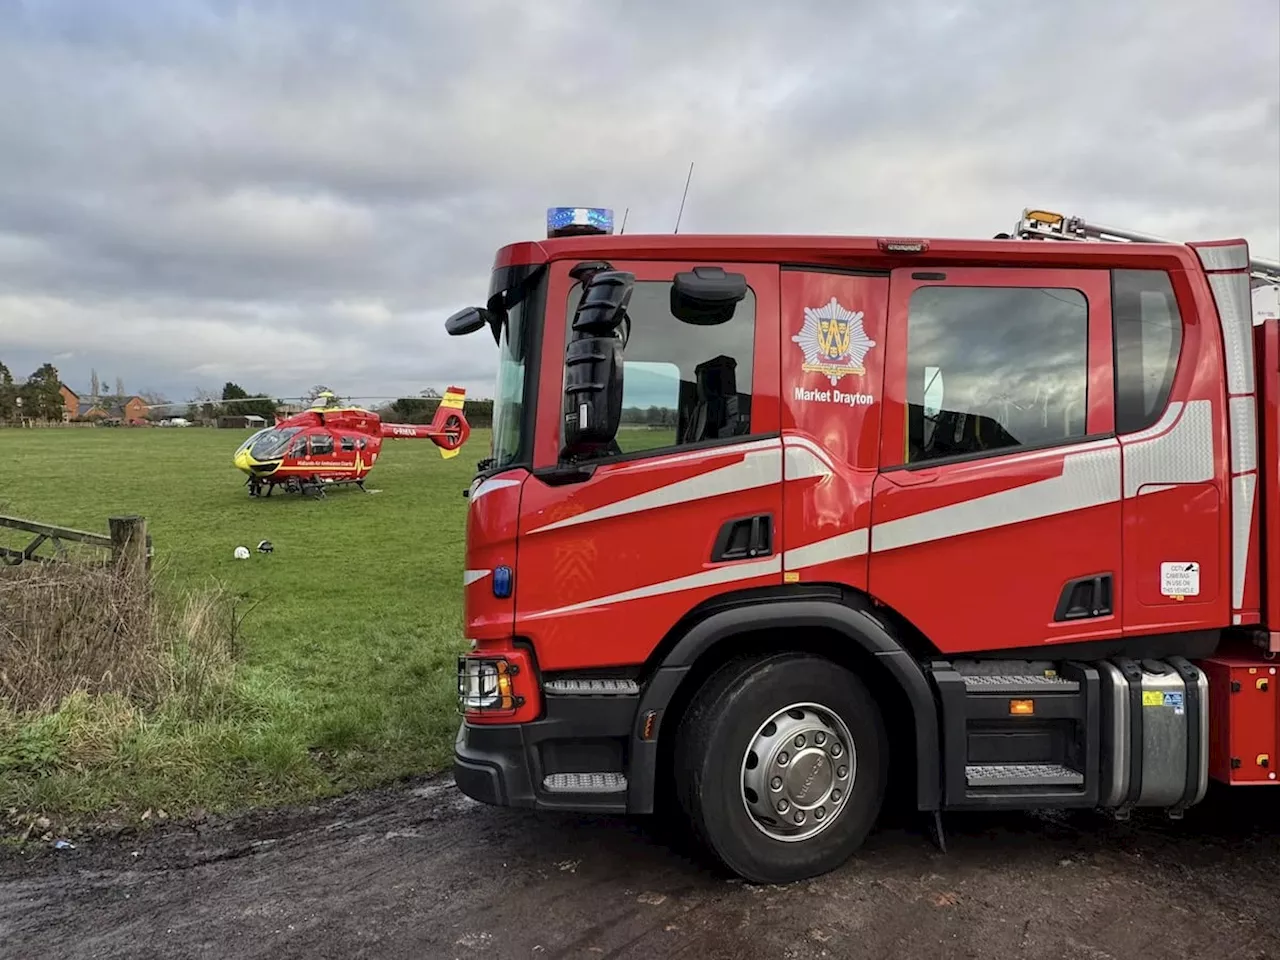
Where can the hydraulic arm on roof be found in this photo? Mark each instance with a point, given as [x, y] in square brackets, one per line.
[1046, 225]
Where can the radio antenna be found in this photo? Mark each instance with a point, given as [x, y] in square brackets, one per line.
[623, 228]
[684, 197]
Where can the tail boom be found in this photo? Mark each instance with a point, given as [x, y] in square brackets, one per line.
[448, 429]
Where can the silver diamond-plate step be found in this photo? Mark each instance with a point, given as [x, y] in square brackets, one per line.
[1022, 775]
[1017, 683]
[585, 782]
[592, 688]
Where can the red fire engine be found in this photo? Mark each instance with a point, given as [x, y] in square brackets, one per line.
[771, 524]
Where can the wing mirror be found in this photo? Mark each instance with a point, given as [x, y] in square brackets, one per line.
[468, 320]
[593, 360]
[706, 296]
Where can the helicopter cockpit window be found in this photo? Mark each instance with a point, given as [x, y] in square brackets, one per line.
[254, 438]
[348, 445]
[270, 445]
[321, 445]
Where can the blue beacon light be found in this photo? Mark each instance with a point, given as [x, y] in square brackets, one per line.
[578, 221]
[502, 582]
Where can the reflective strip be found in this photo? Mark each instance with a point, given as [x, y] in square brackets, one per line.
[492, 484]
[1087, 480]
[804, 443]
[802, 462]
[471, 576]
[1235, 312]
[1233, 298]
[760, 467]
[1167, 420]
[1244, 434]
[1242, 491]
[843, 546]
[1233, 256]
[707, 578]
[1182, 453]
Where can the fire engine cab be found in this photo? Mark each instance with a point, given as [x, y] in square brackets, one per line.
[772, 524]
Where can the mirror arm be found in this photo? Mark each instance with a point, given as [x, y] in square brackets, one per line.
[563, 474]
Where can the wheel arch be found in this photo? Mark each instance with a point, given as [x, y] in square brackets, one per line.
[840, 624]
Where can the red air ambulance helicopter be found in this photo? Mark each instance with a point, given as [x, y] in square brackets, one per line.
[334, 444]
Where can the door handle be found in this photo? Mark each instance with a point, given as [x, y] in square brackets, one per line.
[744, 538]
[910, 478]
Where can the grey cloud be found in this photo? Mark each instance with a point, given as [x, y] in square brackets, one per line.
[281, 193]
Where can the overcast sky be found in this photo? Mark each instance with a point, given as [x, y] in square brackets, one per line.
[287, 193]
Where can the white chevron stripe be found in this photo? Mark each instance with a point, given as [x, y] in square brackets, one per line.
[804, 460]
[840, 547]
[707, 578]
[471, 576]
[1088, 479]
[760, 466]
[490, 485]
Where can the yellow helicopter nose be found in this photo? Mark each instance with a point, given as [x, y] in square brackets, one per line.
[242, 461]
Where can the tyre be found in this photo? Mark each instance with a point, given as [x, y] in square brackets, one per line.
[781, 765]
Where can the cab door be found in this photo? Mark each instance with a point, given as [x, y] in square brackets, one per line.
[689, 504]
[1176, 520]
[832, 346]
[996, 518]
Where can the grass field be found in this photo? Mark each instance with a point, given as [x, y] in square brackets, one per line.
[347, 674]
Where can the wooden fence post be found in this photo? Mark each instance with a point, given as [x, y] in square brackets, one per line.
[129, 544]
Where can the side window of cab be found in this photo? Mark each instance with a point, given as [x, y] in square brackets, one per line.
[995, 369]
[683, 383]
[1148, 342]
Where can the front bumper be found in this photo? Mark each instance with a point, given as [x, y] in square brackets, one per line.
[516, 765]
[489, 765]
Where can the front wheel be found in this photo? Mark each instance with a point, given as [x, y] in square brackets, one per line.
[781, 766]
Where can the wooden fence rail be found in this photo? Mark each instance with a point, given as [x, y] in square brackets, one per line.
[128, 542]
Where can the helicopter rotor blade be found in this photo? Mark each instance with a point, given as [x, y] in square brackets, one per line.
[278, 400]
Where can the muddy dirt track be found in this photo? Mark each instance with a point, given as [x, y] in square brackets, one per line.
[420, 871]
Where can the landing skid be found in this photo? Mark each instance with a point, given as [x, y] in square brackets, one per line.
[310, 487]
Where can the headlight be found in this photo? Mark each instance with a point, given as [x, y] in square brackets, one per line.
[485, 685]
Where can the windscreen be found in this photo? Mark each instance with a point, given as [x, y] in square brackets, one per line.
[271, 444]
[516, 295]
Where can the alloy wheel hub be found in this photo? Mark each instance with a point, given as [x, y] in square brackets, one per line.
[797, 772]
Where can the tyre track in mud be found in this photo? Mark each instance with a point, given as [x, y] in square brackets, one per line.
[420, 871]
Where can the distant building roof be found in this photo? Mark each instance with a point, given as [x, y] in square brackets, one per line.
[115, 409]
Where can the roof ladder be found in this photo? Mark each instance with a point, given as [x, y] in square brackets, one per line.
[1045, 225]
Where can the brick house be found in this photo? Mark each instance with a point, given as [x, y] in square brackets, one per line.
[132, 409]
[70, 402]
